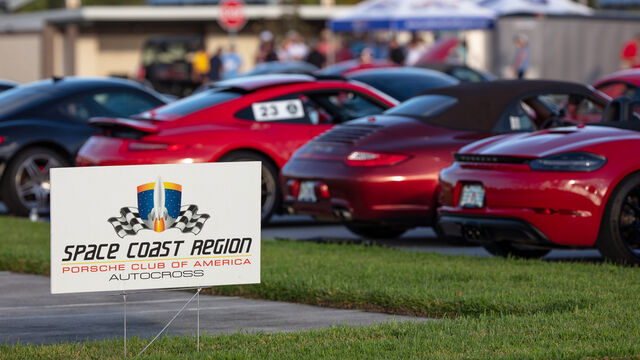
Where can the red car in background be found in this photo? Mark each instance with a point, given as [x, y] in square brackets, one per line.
[620, 83]
[264, 118]
[379, 174]
[566, 187]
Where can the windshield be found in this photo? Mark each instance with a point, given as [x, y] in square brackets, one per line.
[423, 106]
[197, 102]
[402, 84]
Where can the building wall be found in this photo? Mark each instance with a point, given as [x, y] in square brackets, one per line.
[58, 54]
[20, 60]
[574, 49]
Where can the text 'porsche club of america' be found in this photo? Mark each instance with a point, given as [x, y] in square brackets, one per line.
[155, 226]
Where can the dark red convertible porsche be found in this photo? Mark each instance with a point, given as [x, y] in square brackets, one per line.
[379, 174]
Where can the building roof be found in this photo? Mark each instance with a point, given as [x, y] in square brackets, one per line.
[35, 21]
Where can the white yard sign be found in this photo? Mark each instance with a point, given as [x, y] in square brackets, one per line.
[119, 228]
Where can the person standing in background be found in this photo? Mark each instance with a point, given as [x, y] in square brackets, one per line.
[344, 53]
[266, 49]
[414, 50]
[629, 54]
[521, 59]
[200, 66]
[215, 65]
[294, 49]
[396, 53]
[315, 57]
[231, 63]
[324, 45]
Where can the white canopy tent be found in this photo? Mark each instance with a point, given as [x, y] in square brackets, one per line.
[544, 7]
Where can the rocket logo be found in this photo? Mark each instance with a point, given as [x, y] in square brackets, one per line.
[159, 204]
[159, 209]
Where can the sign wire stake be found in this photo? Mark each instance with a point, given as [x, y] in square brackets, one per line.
[198, 321]
[170, 321]
[124, 298]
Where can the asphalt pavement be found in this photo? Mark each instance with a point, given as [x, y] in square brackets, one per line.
[30, 314]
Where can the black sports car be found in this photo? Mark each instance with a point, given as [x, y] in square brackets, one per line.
[43, 124]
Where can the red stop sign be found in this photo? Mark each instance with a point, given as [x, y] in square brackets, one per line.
[231, 16]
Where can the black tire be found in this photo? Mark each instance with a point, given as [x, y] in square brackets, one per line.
[271, 191]
[506, 249]
[25, 183]
[375, 231]
[619, 236]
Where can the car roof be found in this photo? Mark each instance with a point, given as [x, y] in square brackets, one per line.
[486, 101]
[8, 83]
[78, 84]
[397, 71]
[272, 67]
[252, 83]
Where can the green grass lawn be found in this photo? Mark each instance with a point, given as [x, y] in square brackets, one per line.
[491, 307]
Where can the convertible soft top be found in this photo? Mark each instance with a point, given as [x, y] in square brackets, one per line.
[481, 104]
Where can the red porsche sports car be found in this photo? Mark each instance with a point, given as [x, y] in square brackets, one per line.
[263, 118]
[379, 174]
[620, 83]
[563, 187]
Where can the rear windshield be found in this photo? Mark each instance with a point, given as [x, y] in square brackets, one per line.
[423, 106]
[197, 102]
[19, 98]
[401, 85]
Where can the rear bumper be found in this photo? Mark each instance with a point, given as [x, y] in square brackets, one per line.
[486, 229]
[397, 194]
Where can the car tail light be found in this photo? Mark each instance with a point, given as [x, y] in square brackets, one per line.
[1, 140]
[146, 146]
[366, 158]
[323, 190]
[294, 187]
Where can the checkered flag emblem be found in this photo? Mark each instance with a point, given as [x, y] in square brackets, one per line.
[129, 223]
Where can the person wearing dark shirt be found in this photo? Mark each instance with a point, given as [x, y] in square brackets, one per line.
[315, 57]
[396, 53]
[215, 66]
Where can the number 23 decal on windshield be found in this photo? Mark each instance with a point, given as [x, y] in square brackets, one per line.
[278, 110]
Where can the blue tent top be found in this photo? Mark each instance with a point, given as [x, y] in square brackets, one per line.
[413, 15]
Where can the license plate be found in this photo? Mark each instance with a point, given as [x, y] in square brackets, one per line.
[472, 196]
[307, 191]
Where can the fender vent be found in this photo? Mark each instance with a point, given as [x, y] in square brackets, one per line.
[347, 134]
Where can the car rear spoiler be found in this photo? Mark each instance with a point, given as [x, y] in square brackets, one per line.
[114, 124]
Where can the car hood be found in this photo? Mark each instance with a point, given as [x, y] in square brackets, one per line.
[548, 142]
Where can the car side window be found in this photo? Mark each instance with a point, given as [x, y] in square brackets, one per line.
[520, 117]
[465, 75]
[339, 106]
[106, 103]
[573, 107]
[288, 109]
[121, 103]
[77, 110]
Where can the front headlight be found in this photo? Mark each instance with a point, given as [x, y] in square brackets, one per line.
[571, 161]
